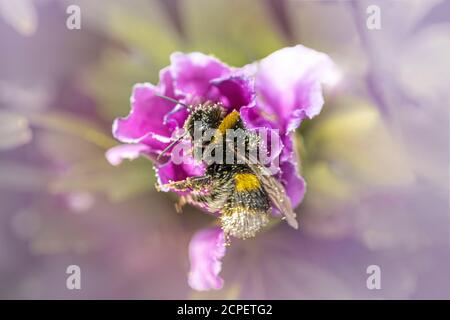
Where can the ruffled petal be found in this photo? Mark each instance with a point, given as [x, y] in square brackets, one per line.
[192, 74]
[206, 250]
[117, 154]
[288, 85]
[254, 117]
[147, 122]
[235, 90]
[293, 183]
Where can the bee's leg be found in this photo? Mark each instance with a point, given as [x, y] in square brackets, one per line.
[194, 184]
[197, 199]
[180, 204]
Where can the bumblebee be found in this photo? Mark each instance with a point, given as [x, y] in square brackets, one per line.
[241, 193]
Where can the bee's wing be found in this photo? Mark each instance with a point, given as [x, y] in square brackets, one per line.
[274, 189]
[276, 193]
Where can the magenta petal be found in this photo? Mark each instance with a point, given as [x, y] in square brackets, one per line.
[206, 250]
[116, 154]
[193, 72]
[288, 147]
[254, 118]
[145, 123]
[288, 84]
[172, 119]
[294, 184]
[236, 91]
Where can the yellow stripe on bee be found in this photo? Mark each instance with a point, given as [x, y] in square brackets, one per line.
[246, 182]
[228, 122]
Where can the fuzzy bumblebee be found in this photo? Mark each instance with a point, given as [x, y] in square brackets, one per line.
[240, 193]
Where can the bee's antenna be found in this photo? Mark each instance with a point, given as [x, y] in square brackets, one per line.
[171, 145]
[172, 100]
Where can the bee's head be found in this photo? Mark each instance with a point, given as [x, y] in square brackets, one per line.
[203, 117]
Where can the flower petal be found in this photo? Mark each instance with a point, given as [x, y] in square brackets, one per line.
[116, 154]
[254, 117]
[147, 122]
[294, 184]
[288, 84]
[192, 74]
[206, 250]
[236, 90]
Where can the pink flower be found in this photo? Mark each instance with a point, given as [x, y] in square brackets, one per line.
[278, 92]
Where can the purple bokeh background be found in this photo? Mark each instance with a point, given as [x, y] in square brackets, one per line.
[376, 160]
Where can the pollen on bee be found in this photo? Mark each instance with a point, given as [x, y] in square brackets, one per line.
[242, 223]
[246, 182]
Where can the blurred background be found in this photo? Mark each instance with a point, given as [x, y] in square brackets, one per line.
[376, 160]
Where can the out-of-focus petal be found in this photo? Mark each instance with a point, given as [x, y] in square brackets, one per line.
[117, 154]
[206, 250]
[21, 15]
[15, 130]
[192, 74]
[288, 85]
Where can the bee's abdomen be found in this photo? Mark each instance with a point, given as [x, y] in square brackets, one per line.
[247, 208]
[242, 223]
